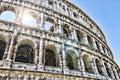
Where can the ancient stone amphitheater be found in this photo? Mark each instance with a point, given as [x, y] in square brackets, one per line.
[52, 40]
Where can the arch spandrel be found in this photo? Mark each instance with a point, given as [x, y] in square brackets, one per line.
[26, 41]
[8, 8]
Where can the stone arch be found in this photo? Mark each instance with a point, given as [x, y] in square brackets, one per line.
[2, 46]
[25, 51]
[90, 41]
[72, 59]
[29, 18]
[79, 35]
[26, 41]
[49, 24]
[87, 63]
[114, 72]
[108, 70]
[97, 45]
[66, 30]
[50, 57]
[99, 66]
[8, 7]
[5, 10]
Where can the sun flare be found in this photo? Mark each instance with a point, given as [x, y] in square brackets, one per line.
[27, 19]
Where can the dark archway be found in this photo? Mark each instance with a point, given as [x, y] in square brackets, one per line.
[108, 70]
[87, 64]
[2, 48]
[72, 60]
[66, 30]
[99, 67]
[90, 41]
[50, 58]
[79, 35]
[25, 54]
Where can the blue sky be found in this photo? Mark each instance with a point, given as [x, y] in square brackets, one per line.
[106, 13]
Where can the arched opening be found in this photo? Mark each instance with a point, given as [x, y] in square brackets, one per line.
[99, 67]
[51, 58]
[90, 41]
[25, 54]
[79, 36]
[49, 25]
[2, 48]
[28, 19]
[114, 72]
[97, 45]
[4, 16]
[108, 70]
[72, 60]
[103, 49]
[87, 64]
[66, 30]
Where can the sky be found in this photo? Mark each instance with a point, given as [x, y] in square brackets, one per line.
[106, 14]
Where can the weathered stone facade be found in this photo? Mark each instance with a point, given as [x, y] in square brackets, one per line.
[73, 48]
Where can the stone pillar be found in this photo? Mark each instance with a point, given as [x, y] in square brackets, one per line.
[11, 46]
[25, 77]
[15, 52]
[36, 55]
[19, 15]
[111, 70]
[6, 49]
[41, 52]
[59, 26]
[85, 40]
[41, 25]
[101, 49]
[63, 56]
[94, 44]
[74, 34]
[64, 67]
[79, 63]
[82, 63]
[116, 74]
[95, 67]
[93, 64]
[104, 68]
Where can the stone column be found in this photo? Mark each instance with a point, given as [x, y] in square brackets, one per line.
[63, 55]
[64, 67]
[85, 40]
[6, 49]
[25, 77]
[116, 74]
[11, 46]
[59, 26]
[74, 34]
[36, 55]
[111, 70]
[93, 64]
[94, 44]
[101, 49]
[95, 67]
[41, 52]
[104, 68]
[15, 52]
[19, 15]
[41, 24]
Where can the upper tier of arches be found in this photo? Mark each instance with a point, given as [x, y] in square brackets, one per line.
[34, 19]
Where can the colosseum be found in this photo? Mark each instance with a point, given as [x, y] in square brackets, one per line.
[52, 40]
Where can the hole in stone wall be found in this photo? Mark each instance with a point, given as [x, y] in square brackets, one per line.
[8, 16]
[27, 19]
